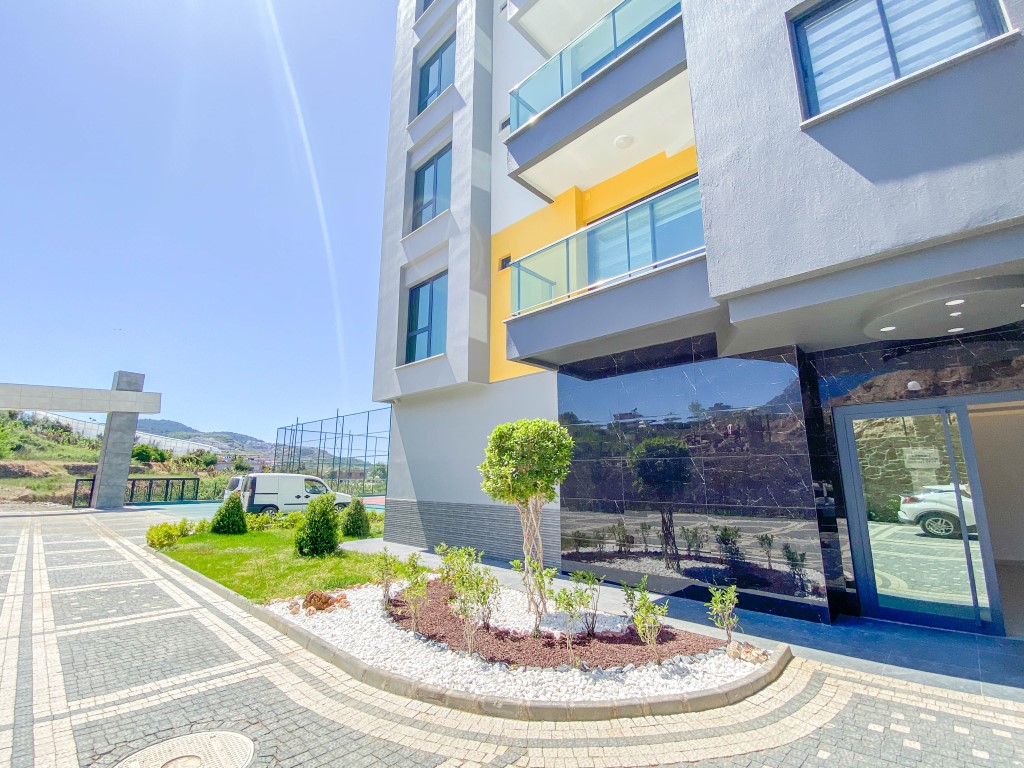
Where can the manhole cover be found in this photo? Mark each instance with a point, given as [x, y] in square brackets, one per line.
[211, 749]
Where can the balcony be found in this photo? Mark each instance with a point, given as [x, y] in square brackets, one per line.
[660, 231]
[635, 279]
[616, 96]
[609, 39]
[550, 25]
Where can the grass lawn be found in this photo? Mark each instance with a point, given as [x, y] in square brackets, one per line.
[262, 565]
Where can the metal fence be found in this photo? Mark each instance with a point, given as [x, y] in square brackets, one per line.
[83, 492]
[142, 490]
[350, 452]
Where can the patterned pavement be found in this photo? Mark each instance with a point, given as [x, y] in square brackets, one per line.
[106, 650]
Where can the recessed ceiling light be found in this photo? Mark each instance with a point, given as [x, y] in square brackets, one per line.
[954, 330]
[888, 329]
[625, 141]
[955, 314]
[954, 303]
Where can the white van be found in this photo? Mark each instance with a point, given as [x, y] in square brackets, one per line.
[234, 484]
[272, 493]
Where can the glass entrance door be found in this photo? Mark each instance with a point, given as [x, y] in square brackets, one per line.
[914, 520]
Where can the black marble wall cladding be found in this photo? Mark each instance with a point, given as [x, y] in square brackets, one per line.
[978, 363]
[693, 470]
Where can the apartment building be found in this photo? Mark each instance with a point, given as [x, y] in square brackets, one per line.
[764, 260]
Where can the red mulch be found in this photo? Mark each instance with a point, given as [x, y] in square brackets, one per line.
[605, 650]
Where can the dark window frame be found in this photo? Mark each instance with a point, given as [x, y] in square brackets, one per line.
[428, 329]
[989, 11]
[424, 100]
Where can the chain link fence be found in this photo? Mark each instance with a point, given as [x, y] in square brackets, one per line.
[349, 453]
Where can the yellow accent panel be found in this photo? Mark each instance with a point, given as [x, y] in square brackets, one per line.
[548, 225]
[571, 211]
[636, 183]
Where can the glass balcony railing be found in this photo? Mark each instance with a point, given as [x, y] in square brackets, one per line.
[600, 45]
[665, 229]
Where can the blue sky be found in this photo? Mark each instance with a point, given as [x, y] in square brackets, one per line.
[156, 207]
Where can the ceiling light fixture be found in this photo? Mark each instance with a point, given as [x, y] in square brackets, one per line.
[625, 141]
[954, 330]
[888, 329]
[955, 302]
[955, 314]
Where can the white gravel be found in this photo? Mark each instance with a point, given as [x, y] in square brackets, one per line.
[511, 612]
[365, 631]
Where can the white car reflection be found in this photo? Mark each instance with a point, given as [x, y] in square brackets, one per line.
[934, 508]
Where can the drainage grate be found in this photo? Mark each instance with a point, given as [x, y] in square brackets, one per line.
[211, 749]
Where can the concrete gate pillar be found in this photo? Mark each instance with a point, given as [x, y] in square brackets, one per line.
[116, 453]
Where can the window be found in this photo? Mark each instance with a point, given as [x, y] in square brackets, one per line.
[437, 73]
[851, 47]
[315, 487]
[428, 319]
[432, 188]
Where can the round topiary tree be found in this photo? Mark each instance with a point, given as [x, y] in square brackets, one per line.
[354, 520]
[523, 465]
[230, 518]
[317, 534]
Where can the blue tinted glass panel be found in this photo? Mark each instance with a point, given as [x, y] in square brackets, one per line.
[432, 188]
[428, 319]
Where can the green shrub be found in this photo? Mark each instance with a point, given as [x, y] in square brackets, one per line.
[203, 526]
[385, 569]
[721, 609]
[185, 527]
[647, 616]
[317, 534]
[288, 522]
[229, 518]
[354, 520]
[258, 522]
[415, 592]
[162, 535]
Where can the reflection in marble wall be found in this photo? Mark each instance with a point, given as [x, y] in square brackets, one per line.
[977, 363]
[692, 469]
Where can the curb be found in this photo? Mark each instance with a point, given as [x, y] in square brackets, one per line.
[496, 706]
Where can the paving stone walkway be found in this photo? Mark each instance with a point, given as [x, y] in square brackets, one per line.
[106, 650]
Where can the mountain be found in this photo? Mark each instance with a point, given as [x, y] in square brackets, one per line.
[227, 442]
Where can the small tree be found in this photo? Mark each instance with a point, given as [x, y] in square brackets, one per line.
[230, 518]
[241, 465]
[572, 602]
[590, 585]
[695, 538]
[647, 616]
[623, 540]
[385, 570]
[317, 534]
[767, 542]
[354, 520]
[721, 609]
[415, 592]
[523, 465]
[579, 540]
[727, 537]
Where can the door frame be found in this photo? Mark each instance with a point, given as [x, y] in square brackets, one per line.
[856, 507]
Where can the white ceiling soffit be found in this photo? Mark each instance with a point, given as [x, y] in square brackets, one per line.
[661, 121]
[550, 25]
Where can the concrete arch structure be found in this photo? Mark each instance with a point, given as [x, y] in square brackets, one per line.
[122, 403]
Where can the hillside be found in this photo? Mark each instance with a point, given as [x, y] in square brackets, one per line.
[228, 442]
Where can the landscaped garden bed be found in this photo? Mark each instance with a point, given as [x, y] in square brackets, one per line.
[512, 664]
